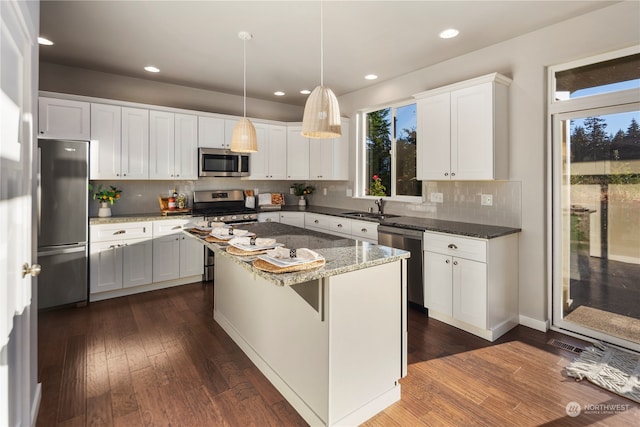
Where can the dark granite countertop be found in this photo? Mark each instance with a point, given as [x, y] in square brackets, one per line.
[342, 255]
[482, 231]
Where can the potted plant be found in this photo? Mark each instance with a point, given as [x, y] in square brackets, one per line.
[106, 197]
[302, 190]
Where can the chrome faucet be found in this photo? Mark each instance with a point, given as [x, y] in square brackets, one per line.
[380, 203]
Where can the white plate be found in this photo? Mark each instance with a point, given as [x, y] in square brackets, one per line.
[283, 262]
[230, 236]
[252, 248]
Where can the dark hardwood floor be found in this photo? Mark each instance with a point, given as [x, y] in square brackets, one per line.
[159, 359]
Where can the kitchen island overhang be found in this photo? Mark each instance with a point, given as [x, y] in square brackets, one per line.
[333, 341]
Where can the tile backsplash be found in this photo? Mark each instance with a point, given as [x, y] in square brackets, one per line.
[461, 200]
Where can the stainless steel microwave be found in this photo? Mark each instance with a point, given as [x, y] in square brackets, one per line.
[220, 162]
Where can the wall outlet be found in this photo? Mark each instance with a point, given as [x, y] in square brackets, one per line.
[324, 191]
[290, 190]
[436, 197]
[486, 199]
[349, 192]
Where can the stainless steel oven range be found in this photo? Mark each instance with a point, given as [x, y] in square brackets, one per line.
[226, 206]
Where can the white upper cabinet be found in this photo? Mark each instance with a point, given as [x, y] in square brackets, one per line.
[63, 119]
[105, 146]
[211, 132]
[173, 145]
[297, 154]
[462, 130]
[329, 158]
[186, 148]
[135, 143]
[270, 161]
[161, 145]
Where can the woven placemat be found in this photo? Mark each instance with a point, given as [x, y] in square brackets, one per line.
[199, 232]
[236, 251]
[212, 239]
[268, 267]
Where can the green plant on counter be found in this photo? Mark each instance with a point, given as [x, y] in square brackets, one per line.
[303, 190]
[109, 195]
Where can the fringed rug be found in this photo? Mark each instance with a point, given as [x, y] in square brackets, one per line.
[611, 368]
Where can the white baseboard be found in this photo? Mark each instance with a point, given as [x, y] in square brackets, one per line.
[35, 405]
[144, 288]
[539, 325]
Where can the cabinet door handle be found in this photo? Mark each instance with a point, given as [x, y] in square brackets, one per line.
[120, 232]
[452, 246]
[453, 174]
[113, 246]
[364, 230]
[455, 262]
[316, 221]
[177, 227]
[446, 174]
[339, 225]
[267, 220]
[447, 261]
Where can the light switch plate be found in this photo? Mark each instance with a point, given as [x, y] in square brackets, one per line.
[436, 197]
[486, 199]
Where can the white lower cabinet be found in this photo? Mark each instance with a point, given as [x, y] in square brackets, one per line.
[269, 217]
[133, 257]
[472, 283]
[120, 256]
[292, 218]
[344, 227]
[175, 255]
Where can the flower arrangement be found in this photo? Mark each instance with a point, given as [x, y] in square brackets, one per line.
[303, 190]
[377, 188]
[105, 195]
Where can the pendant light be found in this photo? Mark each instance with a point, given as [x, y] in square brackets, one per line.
[244, 138]
[321, 118]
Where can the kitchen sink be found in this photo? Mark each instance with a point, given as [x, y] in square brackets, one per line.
[373, 215]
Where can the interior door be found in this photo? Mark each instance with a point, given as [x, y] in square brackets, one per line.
[18, 118]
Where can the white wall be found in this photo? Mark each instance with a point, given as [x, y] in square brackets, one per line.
[525, 60]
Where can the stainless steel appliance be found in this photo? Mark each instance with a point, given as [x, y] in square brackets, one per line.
[409, 240]
[226, 206]
[62, 222]
[220, 162]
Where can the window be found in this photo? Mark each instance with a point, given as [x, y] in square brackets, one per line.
[389, 153]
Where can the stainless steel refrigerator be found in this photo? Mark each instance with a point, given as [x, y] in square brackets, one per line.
[63, 178]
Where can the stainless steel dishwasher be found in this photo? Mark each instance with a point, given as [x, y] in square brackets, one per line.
[409, 240]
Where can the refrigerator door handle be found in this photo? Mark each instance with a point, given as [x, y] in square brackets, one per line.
[61, 251]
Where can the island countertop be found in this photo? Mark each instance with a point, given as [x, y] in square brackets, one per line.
[342, 255]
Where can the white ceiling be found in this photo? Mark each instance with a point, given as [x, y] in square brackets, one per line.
[195, 43]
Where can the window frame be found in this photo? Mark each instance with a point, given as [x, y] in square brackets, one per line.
[361, 162]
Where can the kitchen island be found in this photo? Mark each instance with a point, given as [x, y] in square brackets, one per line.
[331, 340]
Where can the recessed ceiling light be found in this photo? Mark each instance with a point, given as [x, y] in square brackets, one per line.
[152, 69]
[449, 33]
[370, 77]
[278, 93]
[305, 91]
[43, 41]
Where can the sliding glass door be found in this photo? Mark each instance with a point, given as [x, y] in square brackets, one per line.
[596, 204]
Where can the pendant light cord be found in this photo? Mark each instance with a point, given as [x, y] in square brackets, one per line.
[321, 44]
[244, 74]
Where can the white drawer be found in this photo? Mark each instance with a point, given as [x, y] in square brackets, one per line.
[462, 247]
[364, 229]
[340, 225]
[316, 221]
[120, 231]
[168, 226]
[269, 217]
